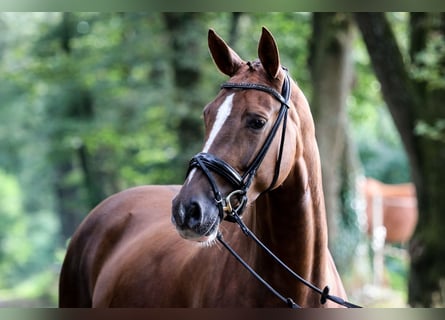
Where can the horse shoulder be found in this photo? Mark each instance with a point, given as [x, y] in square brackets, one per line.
[110, 226]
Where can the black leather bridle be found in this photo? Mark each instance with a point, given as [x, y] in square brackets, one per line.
[209, 163]
[231, 209]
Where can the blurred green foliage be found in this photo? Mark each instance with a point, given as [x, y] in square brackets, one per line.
[107, 93]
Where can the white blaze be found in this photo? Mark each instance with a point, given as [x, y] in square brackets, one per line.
[221, 116]
[223, 113]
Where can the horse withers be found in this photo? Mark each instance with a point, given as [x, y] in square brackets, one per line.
[156, 246]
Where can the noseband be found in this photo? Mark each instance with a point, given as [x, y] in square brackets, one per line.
[208, 163]
[231, 210]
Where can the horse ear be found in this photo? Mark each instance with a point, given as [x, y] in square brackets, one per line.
[227, 60]
[268, 53]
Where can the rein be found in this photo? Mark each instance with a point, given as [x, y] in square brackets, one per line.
[230, 209]
[324, 294]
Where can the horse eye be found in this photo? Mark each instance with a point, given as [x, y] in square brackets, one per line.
[257, 123]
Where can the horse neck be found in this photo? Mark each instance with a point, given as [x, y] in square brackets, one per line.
[291, 219]
[292, 222]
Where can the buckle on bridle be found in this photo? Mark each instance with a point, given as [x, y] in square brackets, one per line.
[232, 207]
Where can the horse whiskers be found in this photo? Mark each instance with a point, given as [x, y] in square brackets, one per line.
[212, 239]
[207, 244]
[210, 242]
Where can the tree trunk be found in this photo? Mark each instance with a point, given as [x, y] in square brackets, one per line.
[332, 77]
[185, 33]
[414, 91]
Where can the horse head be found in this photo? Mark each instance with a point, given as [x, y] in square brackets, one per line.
[251, 140]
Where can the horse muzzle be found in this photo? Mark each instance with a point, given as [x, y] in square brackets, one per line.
[195, 219]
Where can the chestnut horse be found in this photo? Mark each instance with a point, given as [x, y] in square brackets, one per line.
[129, 252]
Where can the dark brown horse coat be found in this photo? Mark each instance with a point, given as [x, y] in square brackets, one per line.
[130, 251]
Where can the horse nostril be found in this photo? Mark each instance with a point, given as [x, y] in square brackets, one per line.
[178, 214]
[193, 215]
